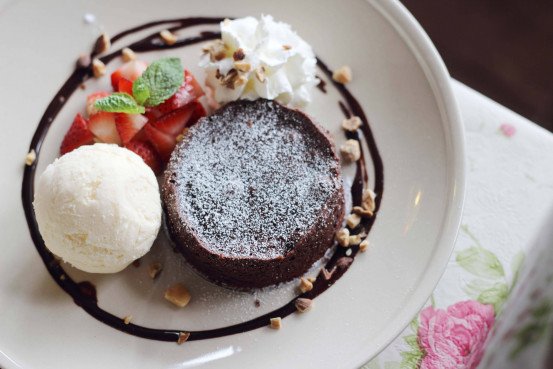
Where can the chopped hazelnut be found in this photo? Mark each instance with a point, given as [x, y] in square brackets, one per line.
[286, 47]
[305, 285]
[127, 54]
[240, 80]
[312, 279]
[351, 151]
[30, 157]
[102, 44]
[83, 61]
[354, 240]
[364, 245]
[154, 269]
[242, 66]
[362, 211]
[342, 236]
[353, 220]
[303, 304]
[367, 201]
[183, 337]
[178, 294]
[342, 75]
[230, 79]
[327, 274]
[127, 319]
[351, 124]
[98, 68]
[260, 74]
[216, 50]
[238, 55]
[276, 323]
[168, 37]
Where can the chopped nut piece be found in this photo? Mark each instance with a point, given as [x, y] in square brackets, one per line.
[178, 295]
[183, 337]
[364, 245]
[344, 262]
[342, 236]
[351, 124]
[351, 151]
[327, 274]
[354, 240]
[342, 75]
[154, 269]
[82, 86]
[30, 158]
[168, 37]
[127, 319]
[260, 74]
[216, 50]
[276, 323]
[102, 44]
[62, 277]
[286, 47]
[232, 79]
[348, 252]
[367, 201]
[98, 68]
[238, 55]
[83, 61]
[305, 285]
[127, 54]
[303, 305]
[312, 279]
[242, 66]
[353, 220]
[362, 211]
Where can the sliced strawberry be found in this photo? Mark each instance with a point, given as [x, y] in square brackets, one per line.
[77, 135]
[102, 125]
[124, 85]
[91, 99]
[199, 112]
[147, 153]
[130, 70]
[189, 91]
[128, 125]
[173, 123]
[163, 143]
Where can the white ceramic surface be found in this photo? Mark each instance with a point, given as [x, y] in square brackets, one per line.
[404, 89]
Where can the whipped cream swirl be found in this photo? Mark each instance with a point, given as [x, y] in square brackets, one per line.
[260, 58]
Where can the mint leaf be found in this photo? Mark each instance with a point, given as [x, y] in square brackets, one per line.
[119, 103]
[159, 82]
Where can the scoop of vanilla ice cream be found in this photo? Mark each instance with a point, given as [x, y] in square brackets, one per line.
[278, 64]
[98, 208]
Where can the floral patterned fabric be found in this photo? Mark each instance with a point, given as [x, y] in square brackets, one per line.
[481, 315]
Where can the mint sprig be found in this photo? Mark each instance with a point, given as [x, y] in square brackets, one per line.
[159, 82]
[119, 103]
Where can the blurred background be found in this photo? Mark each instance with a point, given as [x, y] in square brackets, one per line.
[503, 49]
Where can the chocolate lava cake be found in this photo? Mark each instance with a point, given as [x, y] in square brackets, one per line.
[253, 194]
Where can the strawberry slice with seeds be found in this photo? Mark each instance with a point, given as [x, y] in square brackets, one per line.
[77, 135]
[199, 112]
[124, 85]
[162, 142]
[102, 126]
[91, 99]
[128, 125]
[130, 70]
[147, 153]
[174, 122]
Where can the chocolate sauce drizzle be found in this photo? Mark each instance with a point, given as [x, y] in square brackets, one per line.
[84, 293]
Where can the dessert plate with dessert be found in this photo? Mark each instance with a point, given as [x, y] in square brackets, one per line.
[279, 185]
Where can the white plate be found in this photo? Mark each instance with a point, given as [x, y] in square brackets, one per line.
[403, 87]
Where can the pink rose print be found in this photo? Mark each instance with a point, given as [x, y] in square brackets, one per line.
[507, 129]
[454, 338]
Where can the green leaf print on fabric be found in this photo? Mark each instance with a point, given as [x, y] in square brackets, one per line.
[411, 359]
[480, 262]
[496, 296]
[535, 329]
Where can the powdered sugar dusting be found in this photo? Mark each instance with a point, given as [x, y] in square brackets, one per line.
[251, 181]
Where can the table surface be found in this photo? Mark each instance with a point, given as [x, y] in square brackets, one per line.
[509, 194]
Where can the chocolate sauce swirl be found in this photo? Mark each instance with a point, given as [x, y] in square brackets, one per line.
[84, 293]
